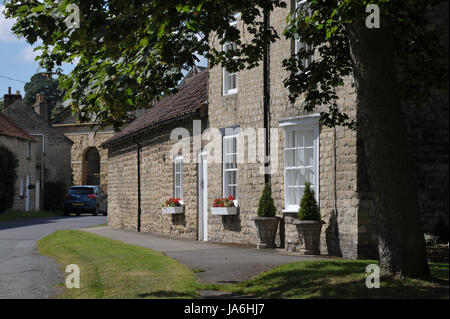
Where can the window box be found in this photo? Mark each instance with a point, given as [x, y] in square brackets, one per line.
[224, 211]
[173, 210]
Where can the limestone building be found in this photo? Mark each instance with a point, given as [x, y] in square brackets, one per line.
[23, 146]
[52, 147]
[142, 171]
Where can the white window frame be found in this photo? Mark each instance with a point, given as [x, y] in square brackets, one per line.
[225, 74]
[225, 170]
[298, 42]
[296, 124]
[178, 159]
[29, 150]
[21, 187]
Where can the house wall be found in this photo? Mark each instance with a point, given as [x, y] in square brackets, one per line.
[156, 184]
[25, 167]
[57, 146]
[338, 159]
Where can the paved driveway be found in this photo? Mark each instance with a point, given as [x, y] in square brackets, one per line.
[220, 263]
[23, 272]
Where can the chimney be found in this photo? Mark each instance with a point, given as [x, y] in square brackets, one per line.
[40, 107]
[9, 98]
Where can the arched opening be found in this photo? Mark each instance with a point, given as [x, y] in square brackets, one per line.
[91, 168]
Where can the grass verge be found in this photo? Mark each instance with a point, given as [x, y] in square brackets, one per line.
[112, 269]
[338, 279]
[18, 215]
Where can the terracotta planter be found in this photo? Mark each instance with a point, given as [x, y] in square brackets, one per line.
[224, 211]
[309, 235]
[266, 228]
[173, 210]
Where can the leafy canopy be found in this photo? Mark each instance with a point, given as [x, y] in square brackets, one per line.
[325, 25]
[129, 53]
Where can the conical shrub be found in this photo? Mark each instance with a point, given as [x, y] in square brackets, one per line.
[266, 207]
[309, 210]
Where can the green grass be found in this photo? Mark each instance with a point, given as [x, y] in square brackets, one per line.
[112, 269]
[338, 279]
[18, 215]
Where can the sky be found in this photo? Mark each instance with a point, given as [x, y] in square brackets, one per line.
[16, 59]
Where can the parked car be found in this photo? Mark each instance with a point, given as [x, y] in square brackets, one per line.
[85, 199]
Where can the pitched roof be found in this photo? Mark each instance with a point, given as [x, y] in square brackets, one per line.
[8, 127]
[30, 121]
[191, 96]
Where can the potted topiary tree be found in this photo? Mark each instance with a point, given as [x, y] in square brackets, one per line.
[309, 224]
[266, 222]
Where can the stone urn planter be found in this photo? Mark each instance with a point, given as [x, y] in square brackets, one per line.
[266, 228]
[309, 235]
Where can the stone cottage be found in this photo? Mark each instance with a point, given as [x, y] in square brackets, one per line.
[52, 147]
[301, 150]
[19, 142]
[143, 171]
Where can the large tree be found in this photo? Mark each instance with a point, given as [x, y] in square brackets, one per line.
[132, 52]
[43, 83]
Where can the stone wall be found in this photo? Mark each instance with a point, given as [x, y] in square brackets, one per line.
[156, 184]
[338, 159]
[83, 138]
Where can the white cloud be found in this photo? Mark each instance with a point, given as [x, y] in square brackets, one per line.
[6, 34]
[27, 55]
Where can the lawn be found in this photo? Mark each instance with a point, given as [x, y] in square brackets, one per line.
[340, 279]
[112, 269]
[17, 215]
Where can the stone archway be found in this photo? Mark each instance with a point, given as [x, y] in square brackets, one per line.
[91, 167]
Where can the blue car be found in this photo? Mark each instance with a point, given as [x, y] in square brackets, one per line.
[85, 199]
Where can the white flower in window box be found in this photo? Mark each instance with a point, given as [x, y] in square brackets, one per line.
[173, 206]
[224, 206]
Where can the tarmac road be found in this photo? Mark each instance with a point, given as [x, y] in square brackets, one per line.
[24, 274]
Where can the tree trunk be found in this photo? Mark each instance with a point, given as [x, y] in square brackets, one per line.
[401, 243]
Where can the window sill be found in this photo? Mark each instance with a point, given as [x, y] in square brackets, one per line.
[230, 93]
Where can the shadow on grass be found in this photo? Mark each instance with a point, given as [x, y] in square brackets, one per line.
[338, 279]
[166, 294]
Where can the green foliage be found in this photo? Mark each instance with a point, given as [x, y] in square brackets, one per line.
[266, 207]
[1, 105]
[309, 210]
[130, 53]
[54, 196]
[8, 176]
[420, 58]
[44, 84]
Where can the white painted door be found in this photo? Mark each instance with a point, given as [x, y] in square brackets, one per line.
[202, 197]
[27, 193]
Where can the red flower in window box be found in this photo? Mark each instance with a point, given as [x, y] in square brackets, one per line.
[224, 202]
[172, 202]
